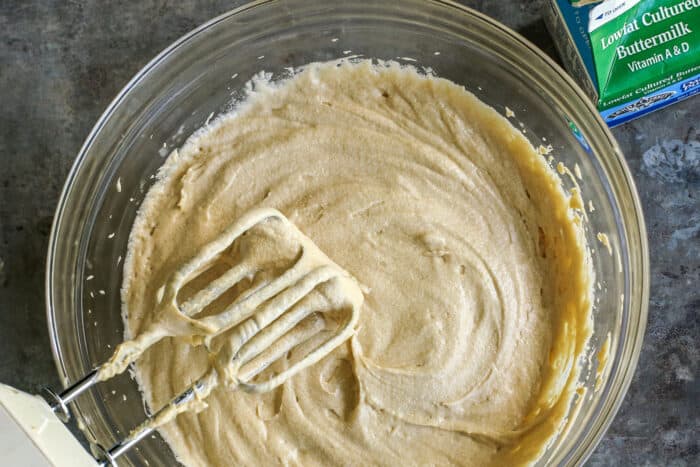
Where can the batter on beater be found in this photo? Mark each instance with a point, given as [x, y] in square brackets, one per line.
[471, 256]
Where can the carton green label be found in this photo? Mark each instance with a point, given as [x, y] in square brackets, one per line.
[640, 46]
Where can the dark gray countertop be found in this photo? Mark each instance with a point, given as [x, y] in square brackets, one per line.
[61, 62]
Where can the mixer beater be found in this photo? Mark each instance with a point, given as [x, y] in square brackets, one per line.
[283, 291]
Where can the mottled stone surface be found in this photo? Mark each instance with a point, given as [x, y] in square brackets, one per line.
[61, 62]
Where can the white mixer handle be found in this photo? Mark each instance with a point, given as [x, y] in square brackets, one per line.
[31, 434]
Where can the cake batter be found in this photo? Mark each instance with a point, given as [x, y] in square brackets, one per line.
[471, 256]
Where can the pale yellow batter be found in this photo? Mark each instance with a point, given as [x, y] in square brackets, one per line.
[470, 255]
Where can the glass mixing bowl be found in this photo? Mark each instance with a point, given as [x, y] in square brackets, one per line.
[196, 79]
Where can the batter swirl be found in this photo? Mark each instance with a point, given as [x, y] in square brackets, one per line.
[471, 256]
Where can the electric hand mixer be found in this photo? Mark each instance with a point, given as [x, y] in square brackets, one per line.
[312, 297]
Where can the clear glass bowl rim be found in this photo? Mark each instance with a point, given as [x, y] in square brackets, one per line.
[613, 160]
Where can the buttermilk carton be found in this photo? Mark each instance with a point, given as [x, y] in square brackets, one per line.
[631, 56]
